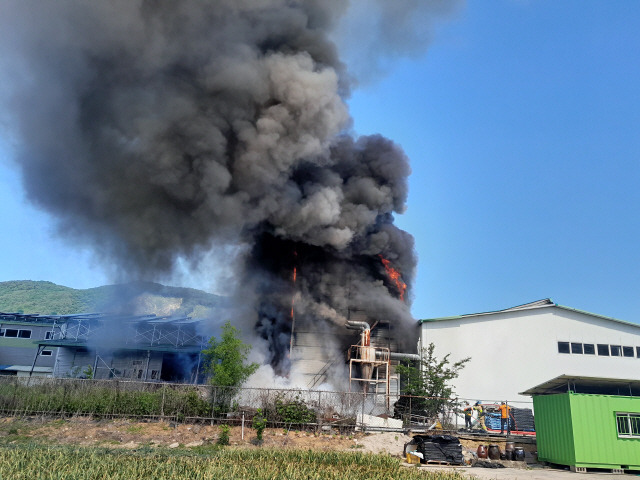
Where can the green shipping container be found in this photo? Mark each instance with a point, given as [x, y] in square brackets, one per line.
[588, 430]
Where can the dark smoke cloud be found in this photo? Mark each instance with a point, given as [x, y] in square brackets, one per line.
[157, 131]
[387, 31]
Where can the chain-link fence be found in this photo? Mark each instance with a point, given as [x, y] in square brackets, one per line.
[309, 409]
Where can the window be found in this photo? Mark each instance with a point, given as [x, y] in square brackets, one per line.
[2, 333]
[48, 335]
[576, 348]
[46, 353]
[563, 347]
[628, 424]
[589, 349]
[154, 374]
[603, 349]
[616, 350]
[627, 352]
[638, 352]
[14, 333]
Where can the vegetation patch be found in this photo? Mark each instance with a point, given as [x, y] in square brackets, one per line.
[70, 463]
[103, 399]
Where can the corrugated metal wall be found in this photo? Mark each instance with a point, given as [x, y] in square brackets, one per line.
[70, 358]
[580, 430]
[596, 437]
[22, 351]
[554, 429]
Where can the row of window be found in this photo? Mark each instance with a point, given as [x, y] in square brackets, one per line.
[15, 333]
[603, 349]
[628, 424]
[137, 373]
[21, 333]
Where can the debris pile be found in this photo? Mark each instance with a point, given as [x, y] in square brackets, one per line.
[444, 449]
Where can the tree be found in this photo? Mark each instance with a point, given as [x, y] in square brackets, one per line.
[430, 379]
[225, 359]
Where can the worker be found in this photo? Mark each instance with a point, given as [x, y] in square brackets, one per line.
[481, 414]
[468, 412]
[505, 415]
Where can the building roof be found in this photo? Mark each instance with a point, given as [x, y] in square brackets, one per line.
[37, 318]
[83, 345]
[581, 384]
[544, 303]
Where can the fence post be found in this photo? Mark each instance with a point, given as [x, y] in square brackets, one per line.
[15, 393]
[455, 411]
[213, 402]
[164, 388]
[364, 398]
[321, 413]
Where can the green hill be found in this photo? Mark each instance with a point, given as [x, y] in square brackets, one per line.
[27, 296]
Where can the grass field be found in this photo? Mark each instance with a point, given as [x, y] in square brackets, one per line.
[37, 461]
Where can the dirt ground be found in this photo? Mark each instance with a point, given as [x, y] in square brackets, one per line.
[134, 434]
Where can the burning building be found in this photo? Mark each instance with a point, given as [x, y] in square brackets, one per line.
[161, 133]
[101, 346]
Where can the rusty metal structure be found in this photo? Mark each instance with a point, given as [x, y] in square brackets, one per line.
[368, 364]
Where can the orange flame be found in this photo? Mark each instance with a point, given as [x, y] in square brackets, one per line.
[395, 276]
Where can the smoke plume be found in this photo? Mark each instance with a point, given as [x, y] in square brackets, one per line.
[158, 131]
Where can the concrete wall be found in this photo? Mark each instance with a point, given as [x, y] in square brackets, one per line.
[513, 351]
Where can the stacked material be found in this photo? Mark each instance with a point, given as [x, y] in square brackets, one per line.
[523, 419]
[440, 448]
[492, 421]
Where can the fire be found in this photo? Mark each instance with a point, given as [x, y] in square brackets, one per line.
[395, 276]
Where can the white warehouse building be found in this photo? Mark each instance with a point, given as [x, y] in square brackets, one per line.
[515, 349]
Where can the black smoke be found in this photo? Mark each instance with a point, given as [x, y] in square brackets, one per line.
[162, 130]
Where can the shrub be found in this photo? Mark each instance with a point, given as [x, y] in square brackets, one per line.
[223, 438]
[259, 423]
[294, 412]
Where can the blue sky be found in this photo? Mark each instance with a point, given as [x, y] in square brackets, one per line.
[521, 123]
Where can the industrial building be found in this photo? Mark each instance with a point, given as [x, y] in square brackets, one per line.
[365, 352]
[510, 349]
[158, 348]
[526, 345]
[17, 348]
[101, 346]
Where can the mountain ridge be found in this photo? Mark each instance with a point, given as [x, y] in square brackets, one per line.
[48, 298]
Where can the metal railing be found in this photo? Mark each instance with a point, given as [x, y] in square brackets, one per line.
[286, 408]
